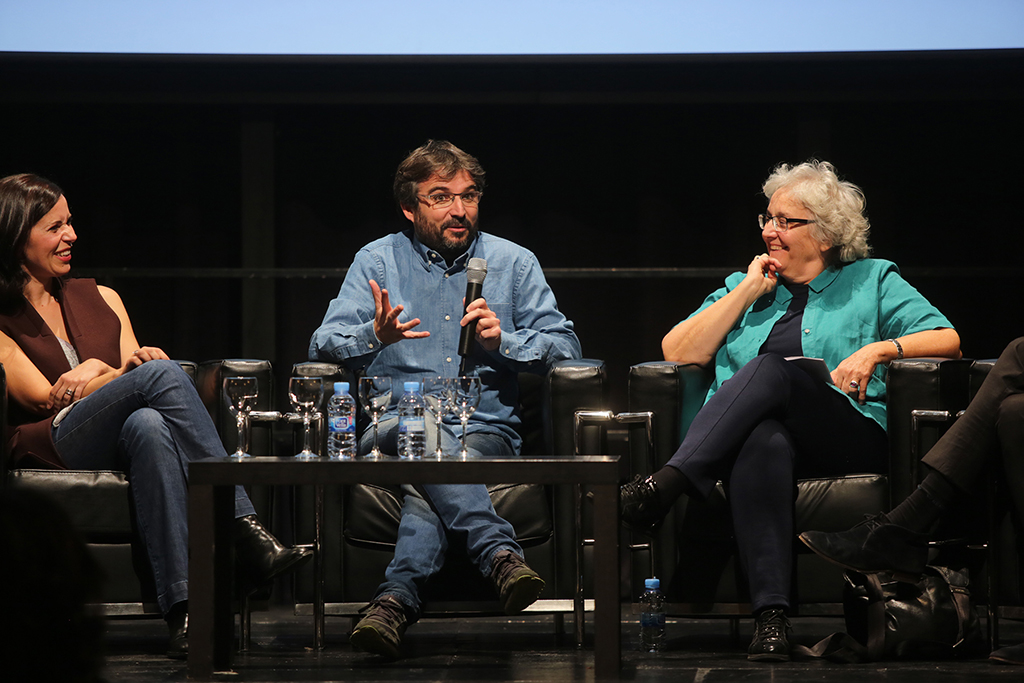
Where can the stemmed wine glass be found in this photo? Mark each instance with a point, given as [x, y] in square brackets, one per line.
[437, 391]
[466, 397]
[375, 395]
[306, 394]
[240, 391]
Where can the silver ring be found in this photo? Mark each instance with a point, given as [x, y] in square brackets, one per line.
[855, 385]
[69, 392]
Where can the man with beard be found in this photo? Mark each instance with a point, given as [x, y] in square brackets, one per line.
[438, 187]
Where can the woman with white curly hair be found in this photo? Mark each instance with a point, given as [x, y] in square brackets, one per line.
[814, 292]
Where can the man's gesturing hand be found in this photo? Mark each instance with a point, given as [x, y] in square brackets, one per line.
[385, 321]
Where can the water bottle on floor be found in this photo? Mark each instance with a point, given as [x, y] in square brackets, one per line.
[412, 423]
[652, 616]
[341, 423]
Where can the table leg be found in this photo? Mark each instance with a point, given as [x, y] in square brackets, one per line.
[200, 574]
[578, 603]
[210, 511]
[607, 610]
[318, 568]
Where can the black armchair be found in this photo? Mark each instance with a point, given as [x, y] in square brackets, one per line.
[99, 503]
[361, 522]
[99, 506]
[693, 552]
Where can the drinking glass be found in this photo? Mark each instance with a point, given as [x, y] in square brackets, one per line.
[375, 395]
[437, 391]
[466, 397]
[305, 394]
[240, 392]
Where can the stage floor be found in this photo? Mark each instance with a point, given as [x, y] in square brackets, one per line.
[520, 649]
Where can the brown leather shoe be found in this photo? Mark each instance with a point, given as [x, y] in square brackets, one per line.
[518, 586]
[380, 630]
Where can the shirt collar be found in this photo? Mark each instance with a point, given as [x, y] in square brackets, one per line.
[824, 279]
[783, 295]
[428, 256]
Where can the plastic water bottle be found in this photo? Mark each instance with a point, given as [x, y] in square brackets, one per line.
[341, 423]
[652, 617]
[412, 423]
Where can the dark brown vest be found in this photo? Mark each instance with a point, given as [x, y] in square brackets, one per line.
[95, 332]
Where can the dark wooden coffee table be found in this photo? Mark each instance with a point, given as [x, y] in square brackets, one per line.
[211, 512]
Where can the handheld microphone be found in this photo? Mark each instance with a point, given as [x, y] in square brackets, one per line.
[476, 271]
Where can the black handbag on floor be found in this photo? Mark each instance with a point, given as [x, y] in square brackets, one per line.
[894, 618]
[889, 618]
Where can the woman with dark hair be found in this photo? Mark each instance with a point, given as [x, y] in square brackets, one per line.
[766, 422]
[84, 395]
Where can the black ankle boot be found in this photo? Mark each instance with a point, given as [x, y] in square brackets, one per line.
[261, 557]
[177, 627]
[640, 506]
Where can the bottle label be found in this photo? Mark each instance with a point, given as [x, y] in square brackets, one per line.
[341, 423]
[412, 424]
[652, 619]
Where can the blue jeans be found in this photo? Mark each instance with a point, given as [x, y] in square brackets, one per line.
[433, 515]
[149, 423]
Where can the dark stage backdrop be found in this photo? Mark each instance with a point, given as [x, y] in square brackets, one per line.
[221, 195]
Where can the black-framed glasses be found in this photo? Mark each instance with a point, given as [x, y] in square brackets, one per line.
[442, 200]
[781, 223]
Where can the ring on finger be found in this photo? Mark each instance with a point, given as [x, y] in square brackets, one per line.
[69, 392]
[855, 385]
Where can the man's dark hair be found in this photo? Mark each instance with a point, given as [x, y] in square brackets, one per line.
[435, 157]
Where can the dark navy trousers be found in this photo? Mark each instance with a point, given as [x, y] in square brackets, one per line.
[764, 428]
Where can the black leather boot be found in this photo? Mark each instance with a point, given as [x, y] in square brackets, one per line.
[640, 506]
[177, 627]
[261, 557]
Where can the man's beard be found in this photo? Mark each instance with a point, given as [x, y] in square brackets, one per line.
[449, 247]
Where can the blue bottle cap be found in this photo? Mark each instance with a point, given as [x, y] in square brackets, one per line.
[341, 387]
[652, 584]
[412, 386]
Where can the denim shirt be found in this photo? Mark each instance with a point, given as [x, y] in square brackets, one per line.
[534, 334]
[848, 307]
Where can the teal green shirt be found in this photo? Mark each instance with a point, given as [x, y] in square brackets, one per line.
[848, 307]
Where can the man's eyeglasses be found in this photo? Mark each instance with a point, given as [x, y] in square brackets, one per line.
[442, 200]
[781, 223]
